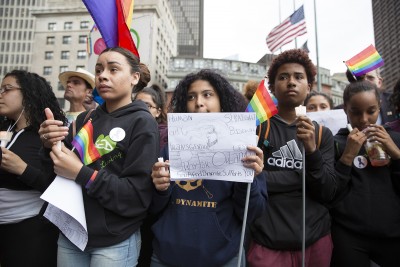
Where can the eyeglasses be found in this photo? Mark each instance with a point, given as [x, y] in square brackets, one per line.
[150, 106]
[8, 87]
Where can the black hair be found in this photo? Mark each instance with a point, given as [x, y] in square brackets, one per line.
[233, 100]
[298, 56]
[316, 93]
[359, 87]
[37, 94]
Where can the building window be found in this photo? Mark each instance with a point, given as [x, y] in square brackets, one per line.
[66, 39]
[68, 25]
[64, 54]
[51, 26]
[179, 63]
[81, 54]
[85, 24]
[47, 70]
[82, 39]
[48, 55]
[198, 63]
[50, 40]
[63, 68]
[60, 87]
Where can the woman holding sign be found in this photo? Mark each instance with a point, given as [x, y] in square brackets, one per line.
[206, 233]
[26, 238]
[117, 147]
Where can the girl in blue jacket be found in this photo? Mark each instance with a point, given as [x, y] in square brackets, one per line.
[208, 233]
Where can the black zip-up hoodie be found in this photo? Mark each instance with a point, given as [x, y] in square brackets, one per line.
[367, 201]
[117, 200]
[280, 226]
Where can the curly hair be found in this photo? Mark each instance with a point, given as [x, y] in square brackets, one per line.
[37, 95]
[395, 97]
[298, 56]
[315, 93]
[158, 96]
[354, 88]
[233, 101]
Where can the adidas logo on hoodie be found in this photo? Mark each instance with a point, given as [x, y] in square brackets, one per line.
[288, 156]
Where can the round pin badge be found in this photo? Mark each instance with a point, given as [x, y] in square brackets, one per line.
[117, 134]
[360, 162]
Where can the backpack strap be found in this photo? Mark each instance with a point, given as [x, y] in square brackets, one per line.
[83, 123]
[262, 133]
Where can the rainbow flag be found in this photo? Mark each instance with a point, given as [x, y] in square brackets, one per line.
[113, 19]
[83, 143]
[365, 61]
[262, 104]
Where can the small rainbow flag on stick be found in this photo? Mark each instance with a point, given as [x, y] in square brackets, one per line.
[262, 104]
[83, 143]
[365, 61]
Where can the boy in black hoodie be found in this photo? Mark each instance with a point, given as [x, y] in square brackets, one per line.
[277, 234]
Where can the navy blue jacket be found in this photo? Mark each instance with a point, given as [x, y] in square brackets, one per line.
[199, 221]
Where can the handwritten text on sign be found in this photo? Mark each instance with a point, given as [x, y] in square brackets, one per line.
[210, 145]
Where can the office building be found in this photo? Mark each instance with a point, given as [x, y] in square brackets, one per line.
[387, 38]
[189, 17]
[17, 27]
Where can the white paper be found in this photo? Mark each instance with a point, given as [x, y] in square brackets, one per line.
[66, 210]
[333, 119]
[210, 145]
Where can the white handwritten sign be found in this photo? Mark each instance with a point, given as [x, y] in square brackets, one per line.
[333, 119]
[210, 145]
[66, 210]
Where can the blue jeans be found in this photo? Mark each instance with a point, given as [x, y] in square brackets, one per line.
[155, 261]
[123, 254]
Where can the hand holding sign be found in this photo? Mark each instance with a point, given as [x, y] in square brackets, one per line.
[51, 131]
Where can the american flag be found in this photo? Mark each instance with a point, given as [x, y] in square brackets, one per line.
[287, 31]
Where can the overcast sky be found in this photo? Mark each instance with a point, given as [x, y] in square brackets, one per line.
[238, 27]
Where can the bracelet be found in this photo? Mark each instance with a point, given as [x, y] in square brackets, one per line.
[91, 180]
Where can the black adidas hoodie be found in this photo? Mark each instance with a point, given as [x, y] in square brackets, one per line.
[280, 226]
[367, 201]
[117, 200]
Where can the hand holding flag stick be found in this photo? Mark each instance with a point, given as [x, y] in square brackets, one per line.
[265, 107]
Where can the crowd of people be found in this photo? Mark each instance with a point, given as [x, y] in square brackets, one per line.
[134, 210]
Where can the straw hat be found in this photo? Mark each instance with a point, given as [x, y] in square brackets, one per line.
[84, 74]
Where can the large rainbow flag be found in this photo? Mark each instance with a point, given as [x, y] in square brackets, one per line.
[262, 104]
[83, 143]
[365, 61]
[113, 19]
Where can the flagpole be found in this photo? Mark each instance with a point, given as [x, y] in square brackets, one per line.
[303, 240]
[316, 45]
[280, 21]
[246, 207]
[294, 9]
